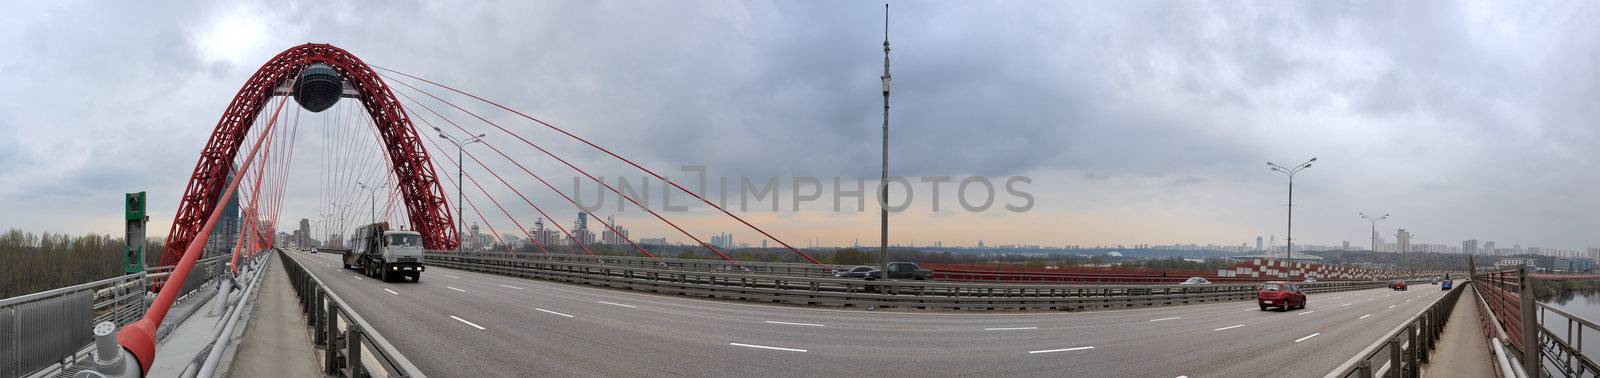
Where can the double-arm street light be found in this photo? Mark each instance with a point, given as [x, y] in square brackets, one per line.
[1288, 248]
[1374, 221]
[373, 191]
[460, 148]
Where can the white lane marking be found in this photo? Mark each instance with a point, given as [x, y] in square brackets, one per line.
[391, 291]
[1009, 328]
[795, 324]
[552, 312]
[1171, 318]
[1364, 316]
[1408, 300]
[452, 288]
[1346, 304]
[513, 287]
[357, 277]
[1305, 312]
[618, 304]
[1307, 337]
[451, 276]
[768, 347]
[1059, 350]
[1370, 299]
[1227, 328]
[465, 321]
[1337, 297]
[1391, 306]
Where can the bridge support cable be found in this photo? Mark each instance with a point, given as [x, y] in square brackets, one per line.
[139, 337]
[525, 169]
[602, 183]
[542, 247]
[598, 147]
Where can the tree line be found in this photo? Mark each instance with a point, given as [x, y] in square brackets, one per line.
[35, 262]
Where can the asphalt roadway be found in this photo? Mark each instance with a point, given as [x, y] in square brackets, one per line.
[466, 324]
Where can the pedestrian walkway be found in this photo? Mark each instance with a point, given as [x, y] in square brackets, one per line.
[277, 343]
[1463, 347]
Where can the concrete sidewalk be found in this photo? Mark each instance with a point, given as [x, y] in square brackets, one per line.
[277, 342]
[1463, 347]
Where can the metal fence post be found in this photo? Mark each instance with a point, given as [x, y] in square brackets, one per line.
[1364, 369]
[318, 318]
[353, 351]
[1412, 365]
[330, 355]
[1530, 324]
[1396, 359]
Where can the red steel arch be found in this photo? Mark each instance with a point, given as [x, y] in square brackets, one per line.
[419, 185]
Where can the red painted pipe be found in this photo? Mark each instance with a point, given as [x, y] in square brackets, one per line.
[139, 337]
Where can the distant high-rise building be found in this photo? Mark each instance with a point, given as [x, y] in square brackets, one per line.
[653, 241]
[224, 236]
[618, 237]
[1488, 248]
[1346, 246]
[1258, 244]
[1403, 240]
[1470, 247]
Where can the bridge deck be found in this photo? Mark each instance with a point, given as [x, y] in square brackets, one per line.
[552, 329]
[277, 343]
[1463, 348]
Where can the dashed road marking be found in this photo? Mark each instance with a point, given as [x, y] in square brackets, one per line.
[1364, 316]
[1305, 312]
[1307, 337]
[1009, 328]
[391, 291]
[452, 288]
[1346, 304]
[618, 304]
[513, 287]
[1171, 318]
[465, 321]
[1059, 350]
[768, 347]
[552, 312]
[451, 276]
[1227, 328]
[795, 324]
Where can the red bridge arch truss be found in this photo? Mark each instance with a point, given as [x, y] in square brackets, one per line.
[418, 184]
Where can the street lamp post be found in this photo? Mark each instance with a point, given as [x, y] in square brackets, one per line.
[373, 190]
[460, 149]
[1288, 248]
[1374, 222]
[883, 207]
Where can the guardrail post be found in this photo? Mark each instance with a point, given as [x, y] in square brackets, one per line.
[1530, 325]
[1396, 359]
[1416, 353]
[318, 317]
[330, 330]
[1364, 369]
[353, 351]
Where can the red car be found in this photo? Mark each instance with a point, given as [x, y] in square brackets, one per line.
[1399, 285]
[1280, 294]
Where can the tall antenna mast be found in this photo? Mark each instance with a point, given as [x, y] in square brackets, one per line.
[883, 184]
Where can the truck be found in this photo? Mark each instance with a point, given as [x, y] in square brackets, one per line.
[382, 253]
[902, 270]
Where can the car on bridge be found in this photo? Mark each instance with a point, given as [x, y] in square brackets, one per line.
[1280, 294]
[1398, 285]
[901, 270]
[1446, 285]
[856, 272]
[1195, 281]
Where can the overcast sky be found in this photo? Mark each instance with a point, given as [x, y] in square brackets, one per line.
[1138, 122]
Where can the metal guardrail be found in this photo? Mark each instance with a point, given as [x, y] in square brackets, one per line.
[1563, 352]
[50, 330]
[1402, 351]
[741, 285]
[351, 347]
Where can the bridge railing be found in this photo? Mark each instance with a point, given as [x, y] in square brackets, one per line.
[49, 330]
[749, 286]
[1546, 340]
[1402, 351]
[351, 347]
